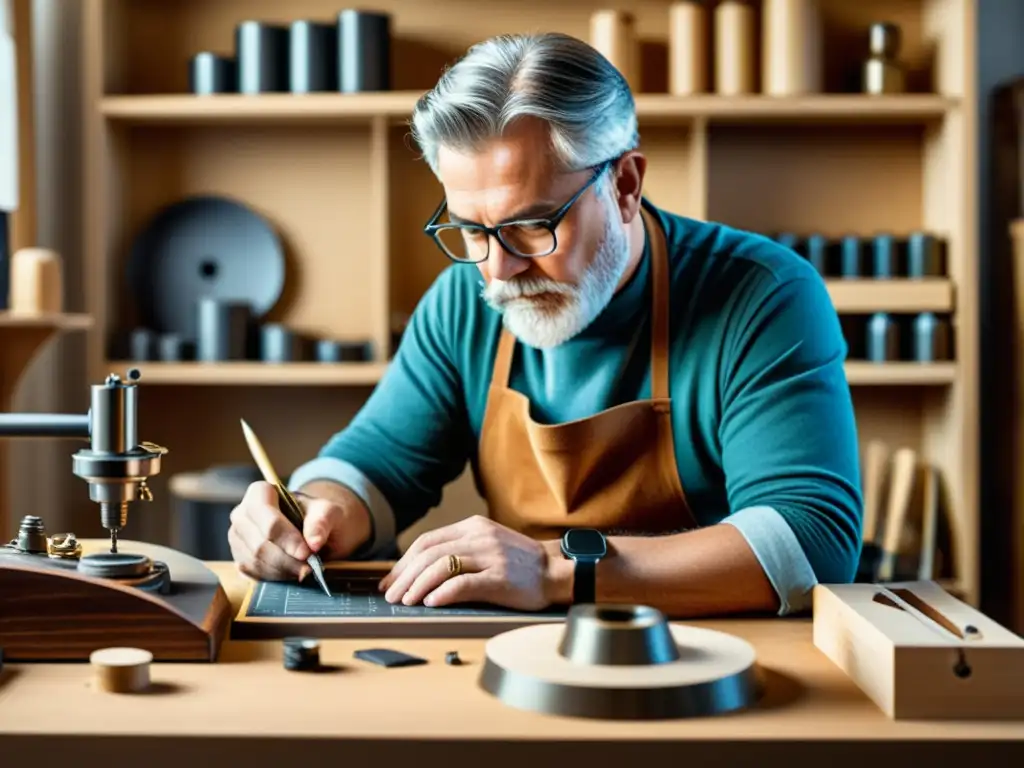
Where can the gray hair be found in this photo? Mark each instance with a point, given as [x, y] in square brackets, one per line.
[554, 77]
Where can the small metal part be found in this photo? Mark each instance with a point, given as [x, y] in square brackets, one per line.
[31, 535]
[301, 654]
[851, 258]
[882, 70]
[970, 629]
[924, 256]
[111, 565]
[64, 546]
[883, 257]
[931, 338]
[452, 658]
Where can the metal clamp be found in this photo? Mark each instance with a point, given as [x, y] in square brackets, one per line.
[64, 546]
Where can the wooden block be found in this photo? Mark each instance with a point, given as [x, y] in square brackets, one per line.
[121, 670]
[909, 664]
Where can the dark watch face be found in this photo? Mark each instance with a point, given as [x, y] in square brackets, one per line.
[584, 542]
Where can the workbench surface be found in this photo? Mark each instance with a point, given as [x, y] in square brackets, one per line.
[248, 710]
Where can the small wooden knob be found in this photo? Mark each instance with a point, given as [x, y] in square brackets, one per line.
[121, 670]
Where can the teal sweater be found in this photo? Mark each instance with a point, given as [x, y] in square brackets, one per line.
[764, 426]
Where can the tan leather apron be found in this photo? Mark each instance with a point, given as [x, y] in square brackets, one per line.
[615, 471]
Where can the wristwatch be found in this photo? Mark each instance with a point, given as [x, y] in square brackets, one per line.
[586, 547]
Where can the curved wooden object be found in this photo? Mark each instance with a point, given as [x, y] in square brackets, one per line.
[51, 612]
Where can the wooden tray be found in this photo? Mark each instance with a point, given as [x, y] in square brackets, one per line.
[920, 653]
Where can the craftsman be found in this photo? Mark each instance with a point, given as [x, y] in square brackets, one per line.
[601, 364]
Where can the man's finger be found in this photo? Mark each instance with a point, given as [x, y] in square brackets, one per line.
[423, 542]
[434, 575]
[421, 563]
[275, 527]
[477, 587]
[260, 494]
[319, 522]
[264, 554]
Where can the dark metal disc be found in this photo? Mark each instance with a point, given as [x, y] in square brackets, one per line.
[115, 565]
[206, 246]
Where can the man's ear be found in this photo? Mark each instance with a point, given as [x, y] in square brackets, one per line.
[628, 178]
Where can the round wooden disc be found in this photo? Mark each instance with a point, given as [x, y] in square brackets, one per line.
[121, 670]
[715, 673]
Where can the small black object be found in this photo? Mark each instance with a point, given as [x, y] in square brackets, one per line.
[386, 657]
[924, 256]
[262, 51]
[210, 73]
[312, 57]
[883, 338]
[143, 344]
[931, 338]
[175, 348]
[5, 261]
[851, 257]
[301, 654]
[970, 629]
[364, 51]
[452, 658]
[883, 257]
[817, 253]
[223, 328]
[279, 344]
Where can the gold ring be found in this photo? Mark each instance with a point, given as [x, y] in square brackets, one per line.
[454, 565]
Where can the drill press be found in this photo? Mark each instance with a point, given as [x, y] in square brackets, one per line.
[115, 465]
[60, 598]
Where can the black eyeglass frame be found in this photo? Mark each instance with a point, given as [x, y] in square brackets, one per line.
[550, 223]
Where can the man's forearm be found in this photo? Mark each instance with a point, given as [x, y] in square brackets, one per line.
[703, 572]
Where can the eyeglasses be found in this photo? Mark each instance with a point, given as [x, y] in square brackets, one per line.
[528, 238]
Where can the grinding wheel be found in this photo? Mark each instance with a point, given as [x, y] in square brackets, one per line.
[620, 662]
[204, 247]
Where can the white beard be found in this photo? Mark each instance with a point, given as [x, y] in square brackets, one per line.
[549, 322]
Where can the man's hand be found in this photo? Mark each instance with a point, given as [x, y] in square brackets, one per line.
[499, 566]
[265, 545]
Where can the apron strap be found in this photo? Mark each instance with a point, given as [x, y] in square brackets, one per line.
[659, 309]
[659, 320]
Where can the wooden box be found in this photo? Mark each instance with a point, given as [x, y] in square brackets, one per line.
[893, 641]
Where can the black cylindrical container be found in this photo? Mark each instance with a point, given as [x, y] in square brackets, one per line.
[924, 256]
[330, 351]
[176, 348]
[931, 338]
[817, 253]
[883, 338]
[364, 51]
[210, 73]
[142, 344]
[262, 51]
[312, 57]
[851, 258]
[223, 328]
[279, 344]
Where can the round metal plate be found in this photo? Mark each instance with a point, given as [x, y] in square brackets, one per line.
[115, 565]
[714, 673]
[206, 246]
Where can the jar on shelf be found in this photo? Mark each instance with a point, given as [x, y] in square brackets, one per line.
[613, 34]
[791, 47]
[687, 48]
[734, 48]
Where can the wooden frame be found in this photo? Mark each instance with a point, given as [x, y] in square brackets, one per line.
[319, 165]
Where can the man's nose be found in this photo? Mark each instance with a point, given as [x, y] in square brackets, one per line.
[502, 264]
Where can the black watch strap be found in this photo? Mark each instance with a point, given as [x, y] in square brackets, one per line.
[584, 582]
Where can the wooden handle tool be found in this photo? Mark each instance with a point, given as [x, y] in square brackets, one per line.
[876, 454]
[290, 507]
[929, 525]
[901, 491]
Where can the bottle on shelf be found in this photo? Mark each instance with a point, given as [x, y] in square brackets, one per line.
[734, 48]
[687, 48]
[791, 47]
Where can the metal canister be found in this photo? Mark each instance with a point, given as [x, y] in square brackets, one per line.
[883, 338]
[817, 253]
[851, 257]
[931, 338]
[924, 257]
[883, 257]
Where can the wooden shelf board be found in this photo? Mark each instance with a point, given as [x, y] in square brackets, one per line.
[862, 373]
[896, 295]
[359, 107]
[368, 374]
[59, 321]
[255, 373]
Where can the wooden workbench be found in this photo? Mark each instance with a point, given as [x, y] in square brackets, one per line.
[248, 711]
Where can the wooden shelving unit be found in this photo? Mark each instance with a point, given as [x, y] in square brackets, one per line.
[339, 178]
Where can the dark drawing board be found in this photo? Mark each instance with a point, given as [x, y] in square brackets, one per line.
[358, 609]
